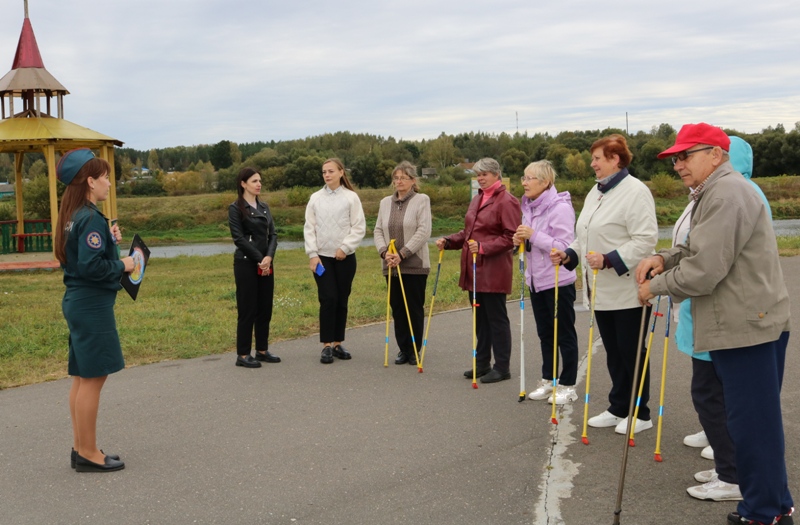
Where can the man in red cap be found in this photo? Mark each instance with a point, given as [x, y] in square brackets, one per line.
[729, 266]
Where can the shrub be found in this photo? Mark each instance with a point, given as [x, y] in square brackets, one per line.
[7, 211]
[461, 194]
[666, 186]
[299, 195]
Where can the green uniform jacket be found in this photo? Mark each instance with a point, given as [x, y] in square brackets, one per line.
[92, 259]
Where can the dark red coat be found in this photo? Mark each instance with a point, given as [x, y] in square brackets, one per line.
[493, 225]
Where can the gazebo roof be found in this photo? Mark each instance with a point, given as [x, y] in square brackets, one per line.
[18, 80]
[27, 49]
[30, 134]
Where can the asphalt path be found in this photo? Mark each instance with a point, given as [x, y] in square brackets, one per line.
[356, 443]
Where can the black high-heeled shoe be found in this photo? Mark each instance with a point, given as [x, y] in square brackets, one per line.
[73, 456]
[109, 465]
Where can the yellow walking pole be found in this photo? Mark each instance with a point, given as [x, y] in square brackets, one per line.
[388, 294]
[553, 419]
[430, 312]
[584, 436]
[474, 323]
[408, 314]
[522, 323]
[663, 382]
[656, 315]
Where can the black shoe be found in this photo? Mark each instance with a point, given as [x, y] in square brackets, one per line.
[73, 457]
[494, 376]
[401, 359]
[267, 357]
[340, 352]
[412, 360]
[734, 518]
[480, 372]
[109, 465]
[247, 361]
[327, 355]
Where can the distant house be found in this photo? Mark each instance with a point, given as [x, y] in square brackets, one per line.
[428, 173]
[467, 167]
[6, 190]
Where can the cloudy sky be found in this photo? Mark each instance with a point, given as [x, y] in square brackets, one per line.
[159, 73]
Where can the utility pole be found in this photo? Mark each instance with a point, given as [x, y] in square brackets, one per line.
[626, 125]
[517, 114]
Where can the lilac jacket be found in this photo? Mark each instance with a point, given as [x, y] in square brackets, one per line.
[553, 221]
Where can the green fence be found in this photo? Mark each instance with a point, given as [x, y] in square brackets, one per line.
[38, 239]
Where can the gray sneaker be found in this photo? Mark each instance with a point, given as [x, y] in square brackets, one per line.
[704, 476]
[716, 490]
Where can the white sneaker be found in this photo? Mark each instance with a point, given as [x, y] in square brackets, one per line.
[704, 476]
[716, 490]
[622, 426]
[543, 390]
[698, 440]
[707, 453]
[606, 419]
[564, 394]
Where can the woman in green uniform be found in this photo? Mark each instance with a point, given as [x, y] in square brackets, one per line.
[85, 246]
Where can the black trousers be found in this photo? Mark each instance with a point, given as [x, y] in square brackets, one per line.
[414, 286]
[544, 305]
[493, 331]
[620, 332]
[333, 291]
[254, 295]
[709, 403]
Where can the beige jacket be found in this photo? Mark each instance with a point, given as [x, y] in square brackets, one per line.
[729, 266]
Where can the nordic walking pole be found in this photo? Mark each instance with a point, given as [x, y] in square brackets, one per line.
[522, 324]
[656, 315]
[430, 312]
[408, 314]
[553, 419]
[388, 294]
[642, 326]
[663, 382]
[474, 323]
[584, 437]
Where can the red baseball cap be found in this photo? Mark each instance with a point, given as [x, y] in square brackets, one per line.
[693, 134]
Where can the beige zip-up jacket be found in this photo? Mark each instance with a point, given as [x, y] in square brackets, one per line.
[729, 266]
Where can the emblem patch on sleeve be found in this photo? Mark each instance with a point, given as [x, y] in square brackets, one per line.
[94, 240]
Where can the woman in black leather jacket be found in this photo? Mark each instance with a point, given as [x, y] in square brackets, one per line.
[253, 232]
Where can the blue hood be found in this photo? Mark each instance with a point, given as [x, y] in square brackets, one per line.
[741, 156]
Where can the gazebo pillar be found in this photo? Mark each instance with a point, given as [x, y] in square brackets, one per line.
[18, 158]
[50, 158]
[110, 205]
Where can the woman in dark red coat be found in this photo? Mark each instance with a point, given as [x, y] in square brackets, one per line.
[492, 219]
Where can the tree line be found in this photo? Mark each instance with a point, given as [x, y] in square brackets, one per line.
[370, 158]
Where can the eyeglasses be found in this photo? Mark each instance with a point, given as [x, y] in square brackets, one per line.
[399, 179]
[523, 180]
[683, 155]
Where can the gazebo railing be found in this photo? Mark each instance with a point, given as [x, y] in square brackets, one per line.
[37, 236]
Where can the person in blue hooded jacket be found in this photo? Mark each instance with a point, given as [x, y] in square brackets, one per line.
[720, 483]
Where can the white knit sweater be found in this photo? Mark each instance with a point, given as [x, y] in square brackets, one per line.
[334, 220]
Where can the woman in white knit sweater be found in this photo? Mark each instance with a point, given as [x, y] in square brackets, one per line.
[405, 217]
[333, 230]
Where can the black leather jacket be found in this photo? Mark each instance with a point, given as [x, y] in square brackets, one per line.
[254, 233]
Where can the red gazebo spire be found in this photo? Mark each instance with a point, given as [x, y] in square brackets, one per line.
[27, 50]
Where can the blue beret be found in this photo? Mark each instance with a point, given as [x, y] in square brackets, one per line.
[71, 163]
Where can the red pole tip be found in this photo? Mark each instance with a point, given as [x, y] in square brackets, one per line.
[554, 421]
[420, 370]
[585, 440]
[658, 314]
[474, 385]
[631, 443]
[658, 458]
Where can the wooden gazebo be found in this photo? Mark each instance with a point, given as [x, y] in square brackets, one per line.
[35, 129]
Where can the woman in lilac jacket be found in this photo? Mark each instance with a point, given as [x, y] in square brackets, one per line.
[548, 221]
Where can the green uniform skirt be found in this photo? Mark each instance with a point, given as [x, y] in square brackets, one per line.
[94, 349]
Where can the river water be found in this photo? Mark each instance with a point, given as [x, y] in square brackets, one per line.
[790, 227]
